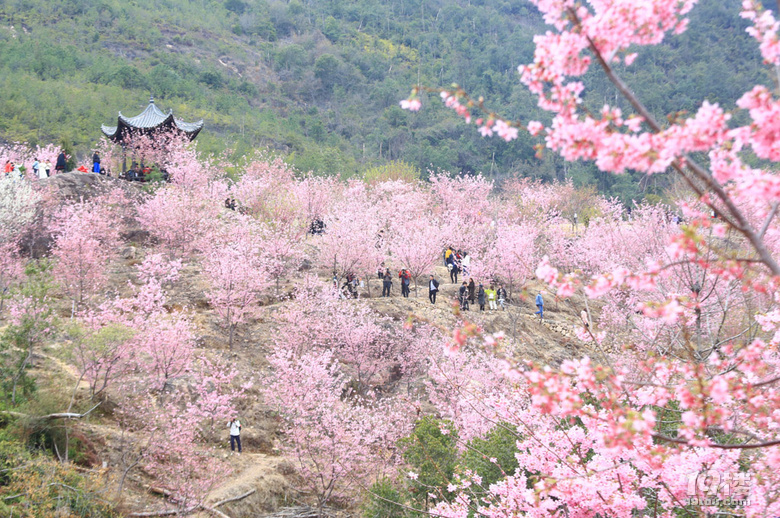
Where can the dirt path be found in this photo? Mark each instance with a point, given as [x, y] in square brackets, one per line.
[256, 471]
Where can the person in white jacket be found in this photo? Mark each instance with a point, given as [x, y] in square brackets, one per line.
[235, 434]
[465, 263]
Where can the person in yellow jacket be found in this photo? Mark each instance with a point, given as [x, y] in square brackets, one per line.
[490, 293]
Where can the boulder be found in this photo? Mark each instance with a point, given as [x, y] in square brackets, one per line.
[76, 185]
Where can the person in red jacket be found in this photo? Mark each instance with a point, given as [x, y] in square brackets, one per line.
[406, 279]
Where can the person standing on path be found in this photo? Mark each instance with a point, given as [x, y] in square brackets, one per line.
[95, 162]
[433, 289]
[62, 162]
[463, 297]
[491, 296]
[501, 294]
[406, 279]
[472, 290]
[540, 305]
[481, 297]
[454, 270]
[235, 434]
[465, 263]
[387, 283]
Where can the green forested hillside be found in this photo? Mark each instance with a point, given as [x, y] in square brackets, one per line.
[320, 80]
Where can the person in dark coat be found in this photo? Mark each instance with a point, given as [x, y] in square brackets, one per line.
[454, 271]
[96, 162]
[62, 162]
[463, 297]
[433, 289]
[387, 283]
[481, 297]
[472, 290]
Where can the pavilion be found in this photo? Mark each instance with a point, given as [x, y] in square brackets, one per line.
[150, 121]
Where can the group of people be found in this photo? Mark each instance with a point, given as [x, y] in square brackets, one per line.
[40, 168]
[349, 290]
[456, 261]
[470, 292]
[11, 168]
[387, 281]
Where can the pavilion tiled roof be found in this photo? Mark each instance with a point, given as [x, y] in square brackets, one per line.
[148, 120]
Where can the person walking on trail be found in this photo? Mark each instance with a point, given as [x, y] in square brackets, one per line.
[481, 297]
[501, 294]
[46, 166]
[36, 168]
[472, 290]
[433, 289]
[387, 283]
[491, 296]
[448, 256]
[62, 162]
[406, 279]
[235, 434]
[540, 305]
[463, 297]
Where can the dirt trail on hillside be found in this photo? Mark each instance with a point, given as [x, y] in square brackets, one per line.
[257, 471]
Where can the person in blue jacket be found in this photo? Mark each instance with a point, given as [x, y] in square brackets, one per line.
[540, 306]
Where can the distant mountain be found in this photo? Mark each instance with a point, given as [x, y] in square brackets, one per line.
[320, 80]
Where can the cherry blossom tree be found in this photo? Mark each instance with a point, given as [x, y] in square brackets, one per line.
[315, 196]
[266, 191]
[85, 239]
[511, 257]
[157, 267]
[234, 267]
[369, 346]
[179, 218]
[417, 246]
[336, 442]
[281, 251]
[353, 241]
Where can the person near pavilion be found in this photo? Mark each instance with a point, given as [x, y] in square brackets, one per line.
[62, 162]
[96, 162]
